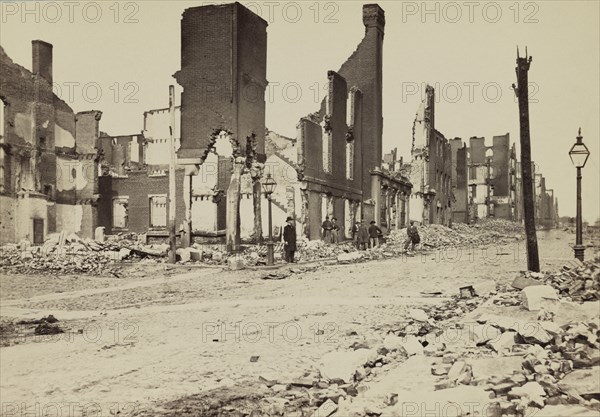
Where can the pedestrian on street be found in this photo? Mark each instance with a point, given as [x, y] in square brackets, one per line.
[374, 233]
[289, 240]
[327, 227]
[412, 236]
[335, 231]
[355, 234]
[363, 236]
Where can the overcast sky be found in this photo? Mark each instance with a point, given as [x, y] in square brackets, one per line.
[119, 57]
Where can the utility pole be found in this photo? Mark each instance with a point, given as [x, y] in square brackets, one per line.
[522, 92]
[172, 184]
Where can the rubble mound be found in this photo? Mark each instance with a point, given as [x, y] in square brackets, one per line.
[579, 281]
[484, 232]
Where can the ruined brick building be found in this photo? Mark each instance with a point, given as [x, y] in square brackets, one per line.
[492, 178]
[340, 146]
[430, 168]
[215, 104]
[48, 164]
[460, 208]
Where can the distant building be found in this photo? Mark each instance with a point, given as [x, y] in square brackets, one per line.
[430, 168]
[460, 208]
[492, 178]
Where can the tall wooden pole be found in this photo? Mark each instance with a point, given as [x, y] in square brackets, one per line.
[579, 248]
[172, 184]
[522, 91]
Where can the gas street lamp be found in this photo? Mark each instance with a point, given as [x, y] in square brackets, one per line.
[579, 154]
[269, 186]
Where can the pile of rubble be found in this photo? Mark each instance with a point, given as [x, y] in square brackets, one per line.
[577, 280]
[483, 233]
[70, 254]
[507, 365]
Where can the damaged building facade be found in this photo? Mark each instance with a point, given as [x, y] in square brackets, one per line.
[340, 146]
[48, 164]
[215, 105]
[224, 150]
[492, 178]
[430, 170]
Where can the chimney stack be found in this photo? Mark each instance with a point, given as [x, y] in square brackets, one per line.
[42, 59]
[374, 17]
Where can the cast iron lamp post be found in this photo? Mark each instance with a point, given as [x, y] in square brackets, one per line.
[579, 154]
[269, 186]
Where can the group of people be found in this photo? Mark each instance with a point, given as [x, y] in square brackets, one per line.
[363, 237]
[331, 230]
[366, 237]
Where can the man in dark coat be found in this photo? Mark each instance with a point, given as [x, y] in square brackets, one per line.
[355, 234]
[374, 233]
[412, 236]
[363, 236]
[327, 227]
[289, 240]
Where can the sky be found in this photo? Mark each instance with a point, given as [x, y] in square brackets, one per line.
[119, 57]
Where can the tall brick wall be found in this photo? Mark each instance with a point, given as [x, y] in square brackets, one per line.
[87, 130]
[223, 75]
[364, 70]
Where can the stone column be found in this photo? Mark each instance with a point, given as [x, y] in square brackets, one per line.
[256, 172]
[376, 195]
[233, 207]
[291, 202]
[304, 216]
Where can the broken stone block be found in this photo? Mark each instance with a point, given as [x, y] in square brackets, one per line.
[537, 296]
[196, 255]
[326, 409]
[439, 370]
[457, 369]
[503, 343]
[236, 263]
[123, 253]
[533, 391]
[535, 334]
[418, 315]
[184, 254]
[349, 257]
[393, 342]
[522, 282]
[343, 365]
[582, 382]
[412, 346]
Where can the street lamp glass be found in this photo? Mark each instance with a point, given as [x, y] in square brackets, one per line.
[579, 154]
[269, 184]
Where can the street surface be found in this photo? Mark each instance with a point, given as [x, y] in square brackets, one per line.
[156, 336]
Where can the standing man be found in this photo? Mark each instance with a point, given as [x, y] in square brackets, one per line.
[412, 236]
[335, 231]
[363, 236]
[355, 229]
[327, 227]
[374, 233]
[289, 240]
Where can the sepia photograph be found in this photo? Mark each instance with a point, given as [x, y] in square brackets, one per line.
[303, 208]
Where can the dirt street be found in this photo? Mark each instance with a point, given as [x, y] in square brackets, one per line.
[136, 343]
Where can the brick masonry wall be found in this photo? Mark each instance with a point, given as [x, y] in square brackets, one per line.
[364, 69]
[221, 92]
[137, 186]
